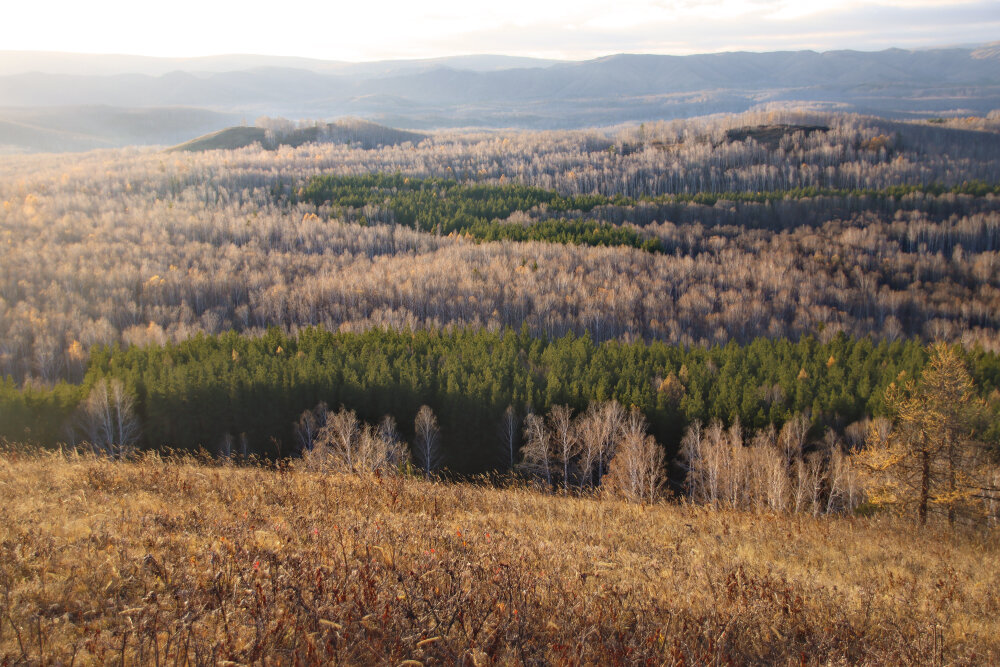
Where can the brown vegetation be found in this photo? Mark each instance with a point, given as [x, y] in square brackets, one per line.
[170, 561]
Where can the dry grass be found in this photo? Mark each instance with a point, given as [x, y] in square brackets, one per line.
[170, 562]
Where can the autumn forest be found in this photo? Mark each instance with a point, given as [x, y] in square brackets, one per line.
[749, 272]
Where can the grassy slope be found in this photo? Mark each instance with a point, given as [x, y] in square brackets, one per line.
[344, 131]
[227, 139]
[149, 559]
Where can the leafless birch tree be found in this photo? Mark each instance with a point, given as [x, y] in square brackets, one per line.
[427, 444]
[108, 420]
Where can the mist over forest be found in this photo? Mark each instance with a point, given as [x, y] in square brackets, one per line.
[71, 102]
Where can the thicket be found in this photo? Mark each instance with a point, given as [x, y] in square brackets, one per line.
[204, 390]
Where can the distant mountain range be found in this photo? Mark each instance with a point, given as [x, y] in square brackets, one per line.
[43, 95]
[90, 64]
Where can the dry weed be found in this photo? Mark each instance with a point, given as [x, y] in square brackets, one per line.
[174, 561]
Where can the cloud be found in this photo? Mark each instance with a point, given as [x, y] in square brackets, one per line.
[379, 29]
[868, 27]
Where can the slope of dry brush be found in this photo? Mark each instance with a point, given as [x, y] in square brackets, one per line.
[160, 561]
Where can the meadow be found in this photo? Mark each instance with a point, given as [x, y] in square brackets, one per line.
[163, 560]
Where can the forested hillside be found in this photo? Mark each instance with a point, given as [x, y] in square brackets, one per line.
[274, 132]
[871, 228]
[665, 266]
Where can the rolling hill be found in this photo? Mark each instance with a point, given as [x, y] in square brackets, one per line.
[496, 91]
[345, 131]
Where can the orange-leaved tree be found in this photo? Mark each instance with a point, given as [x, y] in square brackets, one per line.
[928, 458]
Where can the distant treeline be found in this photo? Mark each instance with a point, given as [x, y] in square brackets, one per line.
[971, 188]
[412, 198]
[208, 389]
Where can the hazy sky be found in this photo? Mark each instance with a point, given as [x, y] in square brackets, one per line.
[574, 29]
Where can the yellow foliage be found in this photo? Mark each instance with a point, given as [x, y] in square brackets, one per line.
[929, 459]
[76, 352]
[672, 388]
[876, 143]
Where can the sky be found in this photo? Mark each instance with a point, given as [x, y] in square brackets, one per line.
[361, 30]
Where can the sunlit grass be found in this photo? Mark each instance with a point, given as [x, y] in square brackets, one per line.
[157, 560]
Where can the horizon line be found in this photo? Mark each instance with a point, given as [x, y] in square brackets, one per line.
[928, 47]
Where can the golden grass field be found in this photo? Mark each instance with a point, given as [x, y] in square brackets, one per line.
[172, 562]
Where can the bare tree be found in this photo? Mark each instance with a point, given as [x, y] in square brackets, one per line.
[346, 444]
[837, 472]
[509, 436]
[338, 437]
[537, 454]
[427, 449]
[636, 471]
[733, 471]
[226, 447]
[792, 438]
[692, 455]
[762, 446]
[775, 475]
[370, 450]
[804, 471]
[722, 469]
[597, 431]
[714, 461]
[589, 430]
[308, 426]
[612, 418]
[107, 418]
[816, 476]
[394, 448]
[564, 439]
